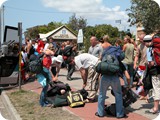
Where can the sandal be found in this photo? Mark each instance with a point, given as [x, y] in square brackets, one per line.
[151, 111]
[96, 114]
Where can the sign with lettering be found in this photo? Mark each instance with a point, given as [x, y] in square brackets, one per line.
[80, 36]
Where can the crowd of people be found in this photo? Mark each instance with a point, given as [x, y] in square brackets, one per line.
[56, 55]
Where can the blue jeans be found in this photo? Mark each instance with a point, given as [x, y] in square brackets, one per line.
[114, 82]
[129, 68]
[43, 94]
[42, 100]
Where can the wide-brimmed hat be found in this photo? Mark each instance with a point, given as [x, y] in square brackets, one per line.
[59, 58]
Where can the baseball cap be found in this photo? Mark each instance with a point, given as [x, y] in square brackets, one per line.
[147, 38]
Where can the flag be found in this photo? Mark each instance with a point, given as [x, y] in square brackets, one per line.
[118, 21]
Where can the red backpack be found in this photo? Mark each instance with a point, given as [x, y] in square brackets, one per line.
[156, 50]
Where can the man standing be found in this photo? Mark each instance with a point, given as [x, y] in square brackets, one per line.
[68, 52]
[95, 48]
[141, 57]
[106, 81]
[140, 52]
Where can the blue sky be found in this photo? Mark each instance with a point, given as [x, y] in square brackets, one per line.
[39, 12]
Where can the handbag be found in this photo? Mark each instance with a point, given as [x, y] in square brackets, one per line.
[75, 99]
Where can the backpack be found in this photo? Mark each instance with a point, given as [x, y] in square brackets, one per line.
[156, 50]
[114, 50]
[109, 66]
[55, 87]
[58, 51]
[75, 99]
[60, 100]
[110, 61]
[35, 66]
[67, 51]
[54, 95]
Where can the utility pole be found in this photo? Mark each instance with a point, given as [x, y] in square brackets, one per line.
[1, 21]
[119, 21]
[20, 56]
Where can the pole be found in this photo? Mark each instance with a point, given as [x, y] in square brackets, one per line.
[0, 27]
[20, 56]
[1, 3]
[3, 23]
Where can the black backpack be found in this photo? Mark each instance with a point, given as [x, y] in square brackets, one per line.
[67, 51]
[35, 66]
[55, 87]
[110, 61]
[54, 95]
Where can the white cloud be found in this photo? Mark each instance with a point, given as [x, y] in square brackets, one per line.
[89, 9]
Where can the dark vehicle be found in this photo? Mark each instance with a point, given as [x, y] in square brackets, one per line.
[9, 57]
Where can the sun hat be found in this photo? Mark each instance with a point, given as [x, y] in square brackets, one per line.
[147, 38]
[59, 58]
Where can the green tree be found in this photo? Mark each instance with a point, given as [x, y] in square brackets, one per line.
[73, 23]
[33, 31]
[99, 31]
[145, 13]
[82, 23]
[76, 23]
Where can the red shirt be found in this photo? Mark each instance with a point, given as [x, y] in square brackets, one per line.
[40, 46]
[47, 61]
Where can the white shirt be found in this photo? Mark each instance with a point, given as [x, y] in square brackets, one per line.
[46, 46]
[85, 60]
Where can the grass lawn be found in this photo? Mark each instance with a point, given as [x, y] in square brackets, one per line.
[27, 105]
